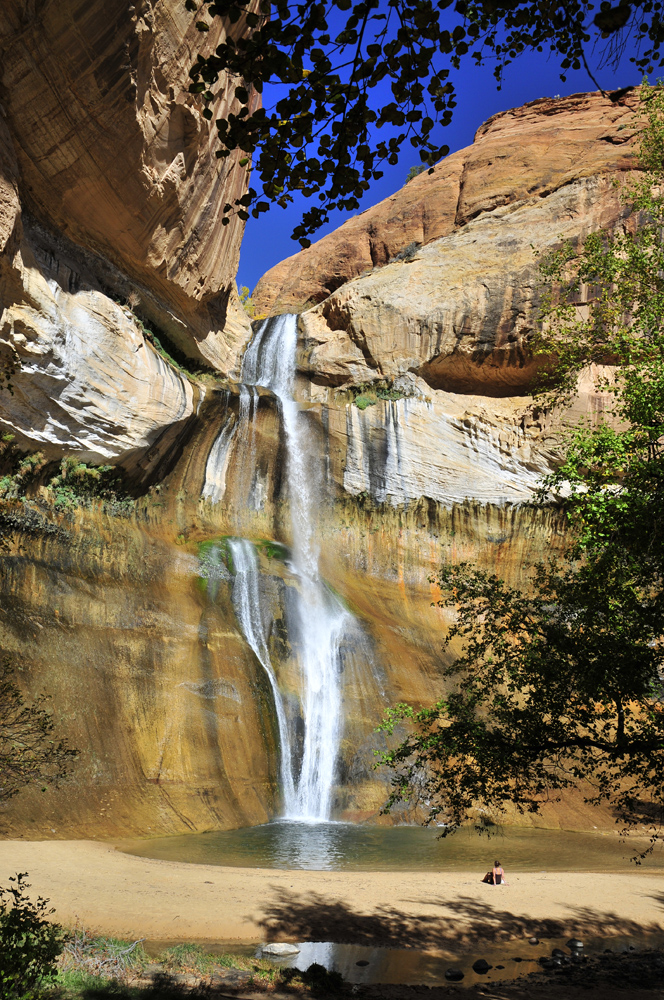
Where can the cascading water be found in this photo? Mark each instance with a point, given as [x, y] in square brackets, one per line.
[247, 605]
[321, 620]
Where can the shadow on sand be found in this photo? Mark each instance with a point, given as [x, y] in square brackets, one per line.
[311, 917]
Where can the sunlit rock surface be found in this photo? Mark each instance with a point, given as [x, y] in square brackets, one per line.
[461, 312]
[89, 382]
[519, 155]
[115, 154]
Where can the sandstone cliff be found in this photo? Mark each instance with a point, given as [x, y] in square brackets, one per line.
[518, 156]
[128, 620]
[110, 192]
[460, 312]
[114, 154]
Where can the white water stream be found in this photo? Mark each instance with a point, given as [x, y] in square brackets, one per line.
[247, 604]
[321, 621]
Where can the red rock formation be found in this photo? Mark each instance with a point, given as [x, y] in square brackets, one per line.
[522, 154]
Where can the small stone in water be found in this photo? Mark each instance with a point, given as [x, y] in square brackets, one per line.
[575, 944]
[558, 953]
[500, 966]
[533, 940]
[362, 961]
[454, 974]
[280, 949]
[481, 966]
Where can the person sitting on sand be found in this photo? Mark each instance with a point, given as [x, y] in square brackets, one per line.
[498, 873]
[496, 876]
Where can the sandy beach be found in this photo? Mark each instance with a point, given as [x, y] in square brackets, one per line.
[104, 890]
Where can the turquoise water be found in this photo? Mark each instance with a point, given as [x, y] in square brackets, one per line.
[351, 847]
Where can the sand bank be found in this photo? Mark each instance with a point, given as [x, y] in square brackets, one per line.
[100, 888]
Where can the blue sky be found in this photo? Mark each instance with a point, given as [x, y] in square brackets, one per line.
[267, 239]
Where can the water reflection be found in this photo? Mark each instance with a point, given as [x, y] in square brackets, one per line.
[406, 966]
[337, 846]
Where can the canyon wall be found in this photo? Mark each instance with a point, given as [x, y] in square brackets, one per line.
[111, 198]
[518, 157]
[413, 381]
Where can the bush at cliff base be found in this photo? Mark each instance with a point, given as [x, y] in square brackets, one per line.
[29, 942]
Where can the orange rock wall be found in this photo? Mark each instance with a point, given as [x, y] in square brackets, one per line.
[522, 154]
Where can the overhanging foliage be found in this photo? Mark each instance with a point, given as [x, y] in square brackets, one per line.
[349, 68]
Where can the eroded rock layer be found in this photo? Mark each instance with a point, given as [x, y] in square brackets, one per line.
[114, 153]
[461, 311]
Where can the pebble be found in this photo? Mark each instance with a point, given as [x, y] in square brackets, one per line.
[575, 944]
[454, 975]
[481, 966]
[280, 948]
[533, 940]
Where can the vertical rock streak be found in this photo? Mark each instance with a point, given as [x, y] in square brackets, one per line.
[321, 620]
[398, 451]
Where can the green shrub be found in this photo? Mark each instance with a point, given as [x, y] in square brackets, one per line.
[78, 484]
[368, 393]
[188, 957]
[30, 944]
[407, 253]
[414, 171]
[98, 959]
[164, 346]
[247, 301]
[273, 550]
[13, 486]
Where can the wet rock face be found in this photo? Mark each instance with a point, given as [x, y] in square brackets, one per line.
[110, 151]
[149, 677]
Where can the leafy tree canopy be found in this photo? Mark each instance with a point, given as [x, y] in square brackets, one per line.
[562, 684]
[350, 68]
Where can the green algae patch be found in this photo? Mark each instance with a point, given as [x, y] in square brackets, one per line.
[272, 549]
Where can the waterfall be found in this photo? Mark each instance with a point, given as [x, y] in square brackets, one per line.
[247, 605]
[216, 468]
[321, 621]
